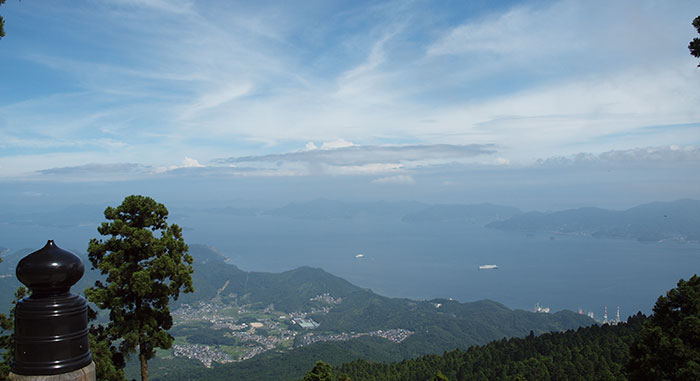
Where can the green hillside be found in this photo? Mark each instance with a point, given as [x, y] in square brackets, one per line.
[590, 353]
[435, 326]
[353, 323]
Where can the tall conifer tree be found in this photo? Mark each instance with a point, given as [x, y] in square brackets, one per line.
[694, 45]
[146, 264]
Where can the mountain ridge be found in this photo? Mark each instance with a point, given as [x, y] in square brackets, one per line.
[657, 221]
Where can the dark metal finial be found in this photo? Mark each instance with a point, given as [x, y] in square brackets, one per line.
[51, 327]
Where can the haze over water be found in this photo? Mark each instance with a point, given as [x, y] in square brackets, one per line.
[441, 260]
[431, 260]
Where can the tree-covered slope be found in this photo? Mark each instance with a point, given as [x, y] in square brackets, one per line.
[590, 353]
[436, 325]
[288, 291]
[278, 365]
[442, 324]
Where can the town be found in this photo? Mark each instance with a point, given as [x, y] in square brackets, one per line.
[238, 333]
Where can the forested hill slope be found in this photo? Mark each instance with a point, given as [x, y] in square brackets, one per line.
[288, 291]
[342, 311]
[591, 353]
[361, 309]
[435, 326]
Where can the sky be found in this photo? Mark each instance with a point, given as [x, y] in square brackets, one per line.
[399, 94]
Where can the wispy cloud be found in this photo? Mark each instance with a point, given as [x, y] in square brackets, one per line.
[156, 79]
[173, 6]
[360, 155]
[97, 172]
[397, 179]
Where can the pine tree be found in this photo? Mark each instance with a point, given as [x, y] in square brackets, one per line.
[2, 23]
[694, 45]
[7, 341]
[668, 347]
[320, 372]
[143, 272]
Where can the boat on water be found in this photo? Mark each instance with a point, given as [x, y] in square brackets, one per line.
[488, 267]
[358, 256]
[541, 310]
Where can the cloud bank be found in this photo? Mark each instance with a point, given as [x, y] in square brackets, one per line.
[669, 156]
[361, 155]
[394, 164]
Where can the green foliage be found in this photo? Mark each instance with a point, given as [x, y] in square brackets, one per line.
[205, 336]
[694, 45]
[320, 372]
[7, 340]
[143, 272]
[2, 22]
[668, 347]
[273, 365]
[289, 291]
[106, 366]
[590, 353]
[453, 325]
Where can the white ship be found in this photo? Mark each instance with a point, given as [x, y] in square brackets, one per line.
[359, 256]
[488, 267]
[541, 310]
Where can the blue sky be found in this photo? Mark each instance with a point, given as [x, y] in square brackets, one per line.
[142, 88]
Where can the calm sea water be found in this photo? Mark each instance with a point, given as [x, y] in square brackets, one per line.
[435, 260]
[442, 260]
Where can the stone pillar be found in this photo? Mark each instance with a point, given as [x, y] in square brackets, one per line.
[51, 330]
[83, 374]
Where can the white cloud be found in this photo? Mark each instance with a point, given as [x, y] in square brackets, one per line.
[397, 179]
[32, 194]
[342, 153]
[518, 33]
[174, 6]
[220, 97]
[94, 172]
[189, 162]
[669, 156]
[340, 143]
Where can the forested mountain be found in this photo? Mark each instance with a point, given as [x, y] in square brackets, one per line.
[434, 326]
[590, 353]
[677, 220]
[664, 346]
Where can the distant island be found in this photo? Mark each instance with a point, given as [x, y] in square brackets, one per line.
[658, 221]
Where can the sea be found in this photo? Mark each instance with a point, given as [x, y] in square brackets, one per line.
[430, 260]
